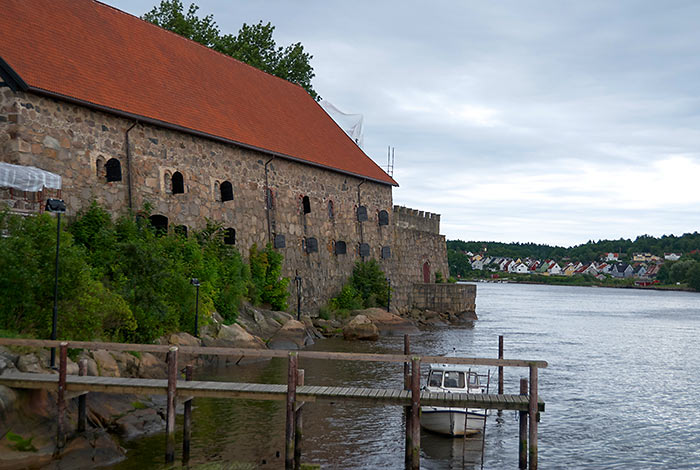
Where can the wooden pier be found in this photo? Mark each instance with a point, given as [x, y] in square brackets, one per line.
[294, 392]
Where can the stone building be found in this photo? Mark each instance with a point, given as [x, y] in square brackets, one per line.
[129, 114]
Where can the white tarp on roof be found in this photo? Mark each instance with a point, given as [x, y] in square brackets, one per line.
[350, 123]
[27, 178]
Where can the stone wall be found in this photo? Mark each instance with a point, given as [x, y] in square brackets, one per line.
[419, 251]
[444, 297]
[76, 143]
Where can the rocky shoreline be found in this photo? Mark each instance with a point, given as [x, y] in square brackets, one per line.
[28, 424]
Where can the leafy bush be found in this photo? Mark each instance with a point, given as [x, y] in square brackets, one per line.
[119, 280]
[370, 282]
[267, 286]
[367, 287]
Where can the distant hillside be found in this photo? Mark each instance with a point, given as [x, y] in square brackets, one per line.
[586, 252]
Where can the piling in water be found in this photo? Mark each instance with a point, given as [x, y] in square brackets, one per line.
[187, 421]
[522, 450]
[82, 399]
[170, 412]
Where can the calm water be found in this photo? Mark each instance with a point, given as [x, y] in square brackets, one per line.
[622, 390]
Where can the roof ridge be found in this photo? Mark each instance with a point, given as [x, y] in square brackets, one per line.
[200, 44]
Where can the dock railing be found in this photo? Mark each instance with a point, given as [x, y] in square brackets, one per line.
[294, 392]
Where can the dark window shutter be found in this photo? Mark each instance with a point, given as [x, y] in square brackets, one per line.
[362, 213]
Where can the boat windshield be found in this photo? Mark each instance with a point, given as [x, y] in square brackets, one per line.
[435, 378]
[454, 379]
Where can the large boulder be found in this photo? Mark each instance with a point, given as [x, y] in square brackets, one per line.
[389, 324]
[30, 363]
[128, 364]
[152, 367]
[140, 422]
[94, 449]
[234, 336]
[291, 336]
[361, 328]
[260, 322]
[8, 360]
[106, 364]
[8, 398]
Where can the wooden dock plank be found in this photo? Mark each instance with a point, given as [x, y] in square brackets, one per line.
[123, 385]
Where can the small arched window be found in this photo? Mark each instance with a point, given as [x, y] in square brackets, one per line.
[114, 170]
[383, 217]
[230, 236]
[364, 250]
[306, 205]
[362, 213]
[159, 223]
[168, 182]
[226, 191]
[331, 210]
[340, 247]
[100, 167]
[178, 183]
[180, 230]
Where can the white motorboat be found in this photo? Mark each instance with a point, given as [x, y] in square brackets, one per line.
[454, 378]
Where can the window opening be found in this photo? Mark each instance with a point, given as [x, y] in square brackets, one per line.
[100, 168]
[306, 205]
[383, 217]
[364, 249]
[435, 378]
[386, 252]
[230, 236]
[226, 191]
[311, 245]
[331, 210]
[280, 241]
[178, 183]
[340, 247]
[361, 213]
[454, 379]
[181, 230]
[168, 182]
[114, 170]
[159, 223]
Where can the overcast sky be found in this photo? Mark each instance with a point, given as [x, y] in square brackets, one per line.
[533, 121]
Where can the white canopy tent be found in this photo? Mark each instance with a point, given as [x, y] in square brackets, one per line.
[27, 178]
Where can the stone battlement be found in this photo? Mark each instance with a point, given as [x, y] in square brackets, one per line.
[405, 217]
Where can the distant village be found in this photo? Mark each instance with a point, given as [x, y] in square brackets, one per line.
[643, 266]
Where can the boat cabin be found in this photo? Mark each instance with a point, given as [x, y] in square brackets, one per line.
[454, 379]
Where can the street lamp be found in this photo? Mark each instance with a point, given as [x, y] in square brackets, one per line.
[59, 207]
[195, 282]
[388, 294]
[297, 280]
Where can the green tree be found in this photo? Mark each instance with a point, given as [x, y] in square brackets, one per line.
[253, 44]
[267, 284]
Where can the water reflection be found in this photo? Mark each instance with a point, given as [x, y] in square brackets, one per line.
[621, 390]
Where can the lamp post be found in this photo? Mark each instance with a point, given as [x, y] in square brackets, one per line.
[388, 294]
[59, 207]
[297, 279]
[195, 282]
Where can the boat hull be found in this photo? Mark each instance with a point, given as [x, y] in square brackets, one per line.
[450, 421]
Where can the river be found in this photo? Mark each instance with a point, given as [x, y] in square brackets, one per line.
[621, 390]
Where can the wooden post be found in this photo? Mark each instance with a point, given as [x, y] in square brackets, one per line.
[170, 413]
[61, 402]
[298, 425]
[522, 451]
[533, 417]
[187, 421]
[407, 409]
[82, 399]
[291, 399]
[500, 368]
[415, 413]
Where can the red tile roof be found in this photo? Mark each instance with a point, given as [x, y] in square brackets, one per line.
[89, 52]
